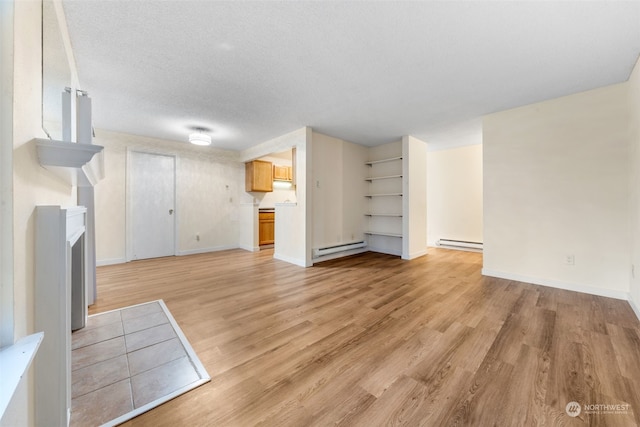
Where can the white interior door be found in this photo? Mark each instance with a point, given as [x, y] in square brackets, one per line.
[152, 202]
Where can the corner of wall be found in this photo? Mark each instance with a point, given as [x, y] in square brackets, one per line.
[634, 186]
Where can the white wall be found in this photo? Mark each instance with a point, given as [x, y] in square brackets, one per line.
[32, 186]
[209, 187]
[339, 186]
[414, 242]
[454, 194]
[6, 174]
[634, 187]
[556, 184]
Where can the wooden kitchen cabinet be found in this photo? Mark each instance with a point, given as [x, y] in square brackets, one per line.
[259, 176]
[282, 173]
[266, 228]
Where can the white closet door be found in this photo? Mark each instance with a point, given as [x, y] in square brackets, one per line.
[152, 196]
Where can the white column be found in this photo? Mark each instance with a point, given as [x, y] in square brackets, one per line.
[86, 197]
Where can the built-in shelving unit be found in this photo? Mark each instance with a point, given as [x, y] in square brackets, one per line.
[384, 214]
[395, 217]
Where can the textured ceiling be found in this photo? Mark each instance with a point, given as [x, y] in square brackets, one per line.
[367, 72]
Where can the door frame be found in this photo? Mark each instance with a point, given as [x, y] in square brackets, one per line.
[129, 200]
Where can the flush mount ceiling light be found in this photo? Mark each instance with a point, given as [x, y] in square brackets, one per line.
[199, 137]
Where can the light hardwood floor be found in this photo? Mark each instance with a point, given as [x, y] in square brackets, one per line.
[372, 340]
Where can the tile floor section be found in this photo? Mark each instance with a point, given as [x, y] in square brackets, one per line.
[123, 360]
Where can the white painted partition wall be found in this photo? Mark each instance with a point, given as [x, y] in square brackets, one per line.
[249, 239]
[414, 202]
[339, 173]
[59, 244]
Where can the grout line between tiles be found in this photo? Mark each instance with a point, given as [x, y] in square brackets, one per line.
[101, 387]
[189, 354]
[95, 363]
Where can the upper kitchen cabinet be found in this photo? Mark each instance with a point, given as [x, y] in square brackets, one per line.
[259, 176]
[282, 173]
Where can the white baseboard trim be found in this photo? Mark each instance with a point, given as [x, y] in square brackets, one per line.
[385, 251]
[250, 248]
[416, 254]
[110, 261]
[205, 250]
[290, 260]
[634, 307]
[609, 293]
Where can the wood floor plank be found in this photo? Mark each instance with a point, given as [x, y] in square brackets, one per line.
[403, 404]
[374, 340]
[349, 403]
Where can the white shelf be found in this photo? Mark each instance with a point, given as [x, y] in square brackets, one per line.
[382, 233]
[391, 159]
[14, 363]
[384, 214]
[80, 165]
[384, 195]
[373, 178]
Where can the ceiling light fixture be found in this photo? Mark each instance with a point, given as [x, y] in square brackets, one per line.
[199, 137]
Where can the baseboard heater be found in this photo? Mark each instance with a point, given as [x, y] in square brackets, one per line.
[460, 244]
[318, 252]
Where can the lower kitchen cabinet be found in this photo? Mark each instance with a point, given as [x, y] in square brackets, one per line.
[266, 228]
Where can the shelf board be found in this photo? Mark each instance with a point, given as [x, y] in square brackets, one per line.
[373, 178]
[384, 214]
[80, 165]
[15, 361]
[373, 162]
[383, 195]
[382, 233]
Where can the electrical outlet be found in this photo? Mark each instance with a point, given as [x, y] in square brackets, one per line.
[197, 237]
[570, 259]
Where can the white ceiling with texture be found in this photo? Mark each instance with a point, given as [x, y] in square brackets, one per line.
[367, 72]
